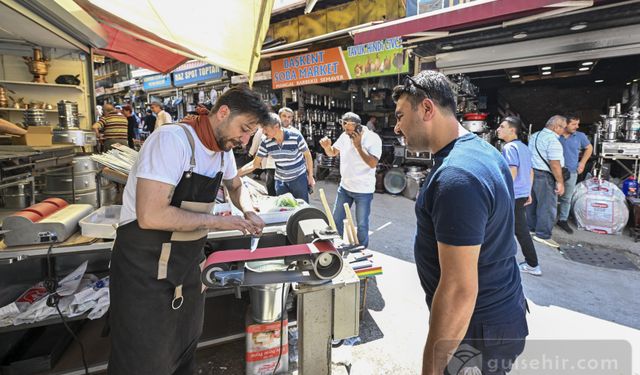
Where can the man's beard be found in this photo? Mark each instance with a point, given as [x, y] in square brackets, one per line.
[225, 143]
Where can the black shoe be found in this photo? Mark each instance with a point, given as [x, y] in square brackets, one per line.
[565, 226]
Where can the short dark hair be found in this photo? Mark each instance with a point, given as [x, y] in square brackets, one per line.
[572, 116]
[274, 119]
[515, 123]
[242, 100]
[427, 84]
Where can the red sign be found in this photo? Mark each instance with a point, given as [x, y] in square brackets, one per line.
[310, 68]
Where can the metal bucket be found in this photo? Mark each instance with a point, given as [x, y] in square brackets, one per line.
[266, 300]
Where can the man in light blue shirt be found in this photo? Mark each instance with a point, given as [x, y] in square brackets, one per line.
[547, 160]
[572, 142]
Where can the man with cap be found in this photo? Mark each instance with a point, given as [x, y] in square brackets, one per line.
[359, 149]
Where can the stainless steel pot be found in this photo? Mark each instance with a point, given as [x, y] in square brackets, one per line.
[16, 197]
[108, 195]
[413, 184]
[83, 164]
[475, 126]
[395, 181]
[63, 183]
[266, 300]
[75, 136]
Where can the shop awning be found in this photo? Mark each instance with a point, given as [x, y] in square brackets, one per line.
[161, 34]
[476, 13]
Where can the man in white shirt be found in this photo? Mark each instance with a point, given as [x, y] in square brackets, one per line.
[268, 165]
[371, 124]
[162, 117]
[286, 118]
[547, 160]
[359, 149]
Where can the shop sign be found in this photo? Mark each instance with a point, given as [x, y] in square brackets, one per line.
[205, 72]
[310, 68]
[415, 7]
[137, 73]
[157, 82]
[99, 91]
[124, 84]
[375, 59]
[260, 76]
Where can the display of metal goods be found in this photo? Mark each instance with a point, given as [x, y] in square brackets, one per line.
[76, 136]
[414, 178]
[620, 149]
[632, 125]
[462, 85]
[18, 196]
[612, 123]
[35, 117]
[68, 114]
[108, 196]
[38, 66]
[329, 161]
[395, 181]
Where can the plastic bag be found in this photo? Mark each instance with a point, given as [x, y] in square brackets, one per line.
[599, 206]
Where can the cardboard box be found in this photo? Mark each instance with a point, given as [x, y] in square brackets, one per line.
[263, 348]
[36, 136]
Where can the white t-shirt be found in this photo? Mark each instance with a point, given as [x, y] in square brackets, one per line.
[357, 176]
[267, 163]
[165, 156]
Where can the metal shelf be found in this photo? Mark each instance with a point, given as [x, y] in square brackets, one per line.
[23, 110]
[19, 83]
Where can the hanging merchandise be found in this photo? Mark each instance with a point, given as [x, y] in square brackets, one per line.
[599, 206]
[213, 96]
[201, 96]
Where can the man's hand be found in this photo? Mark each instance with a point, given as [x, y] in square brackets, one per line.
[356, 138]
[560, 188]
[529, 201]
[222, 223]
[311, 181]
[325, 143]
[256, 221]
[581, 167]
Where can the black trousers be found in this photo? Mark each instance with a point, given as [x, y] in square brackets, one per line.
[271, 182]
[522, 233]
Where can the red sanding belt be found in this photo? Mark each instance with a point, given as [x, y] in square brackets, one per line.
[278, 252]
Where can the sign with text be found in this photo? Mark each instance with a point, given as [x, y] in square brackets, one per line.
[156, 82]
[204, 72]
[375, 59]
[308, 69]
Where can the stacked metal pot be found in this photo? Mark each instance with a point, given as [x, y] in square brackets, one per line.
[80, 183]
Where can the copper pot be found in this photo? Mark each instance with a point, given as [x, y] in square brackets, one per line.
[4, 98]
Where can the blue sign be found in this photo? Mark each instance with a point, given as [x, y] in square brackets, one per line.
[156, 82]
[198, 74]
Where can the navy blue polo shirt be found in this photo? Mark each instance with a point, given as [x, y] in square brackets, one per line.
[468, 200]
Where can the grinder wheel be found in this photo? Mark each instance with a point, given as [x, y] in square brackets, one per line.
[306, 213]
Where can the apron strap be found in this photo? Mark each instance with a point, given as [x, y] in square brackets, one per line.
[192, 144]
[176, 303]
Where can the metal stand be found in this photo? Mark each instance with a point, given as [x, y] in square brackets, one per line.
[326, 312]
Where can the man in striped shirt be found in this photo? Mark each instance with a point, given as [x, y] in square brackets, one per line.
[294, 164]
[114, 126]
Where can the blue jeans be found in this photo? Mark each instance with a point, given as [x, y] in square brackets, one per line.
[564, 202]
[541, 213]
[299, 187]
[363, 209]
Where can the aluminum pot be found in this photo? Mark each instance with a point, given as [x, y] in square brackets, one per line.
[63, 183]
[16, 197]
[475, 126]
[266, 300]
[413, 186]
[84, 164]
[108, 195]
[394, 181]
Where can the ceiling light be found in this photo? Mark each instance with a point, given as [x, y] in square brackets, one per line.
[546, 67]
[373, 88]
[546, 73]
[520, 35]
[635, 80]
[584, 68]
[628, 83]
[515, 76]
[447, 47]
[578, 26]
[587, 63]
[354, 96]
[599, 80]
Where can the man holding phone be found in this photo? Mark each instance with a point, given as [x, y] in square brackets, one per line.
[359, 149]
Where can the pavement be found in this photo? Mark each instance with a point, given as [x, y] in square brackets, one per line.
[572, 304]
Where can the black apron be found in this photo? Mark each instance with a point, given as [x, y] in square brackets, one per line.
[157, 305]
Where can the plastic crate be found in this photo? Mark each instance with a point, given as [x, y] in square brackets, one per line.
[102, 223]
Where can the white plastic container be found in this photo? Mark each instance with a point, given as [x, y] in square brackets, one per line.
[101, 223]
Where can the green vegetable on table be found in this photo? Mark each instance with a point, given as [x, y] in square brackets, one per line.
[286, 200]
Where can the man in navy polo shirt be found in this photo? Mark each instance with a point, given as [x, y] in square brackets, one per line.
[294, 164]
[464, 246]
[572, 142]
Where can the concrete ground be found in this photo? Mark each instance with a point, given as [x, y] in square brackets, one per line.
[571, 301]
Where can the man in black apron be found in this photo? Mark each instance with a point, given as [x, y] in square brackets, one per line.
[157, 300]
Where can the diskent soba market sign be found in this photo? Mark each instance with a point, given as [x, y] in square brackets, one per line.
[310, 68]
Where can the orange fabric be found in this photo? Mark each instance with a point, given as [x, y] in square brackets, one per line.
[203, 128]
